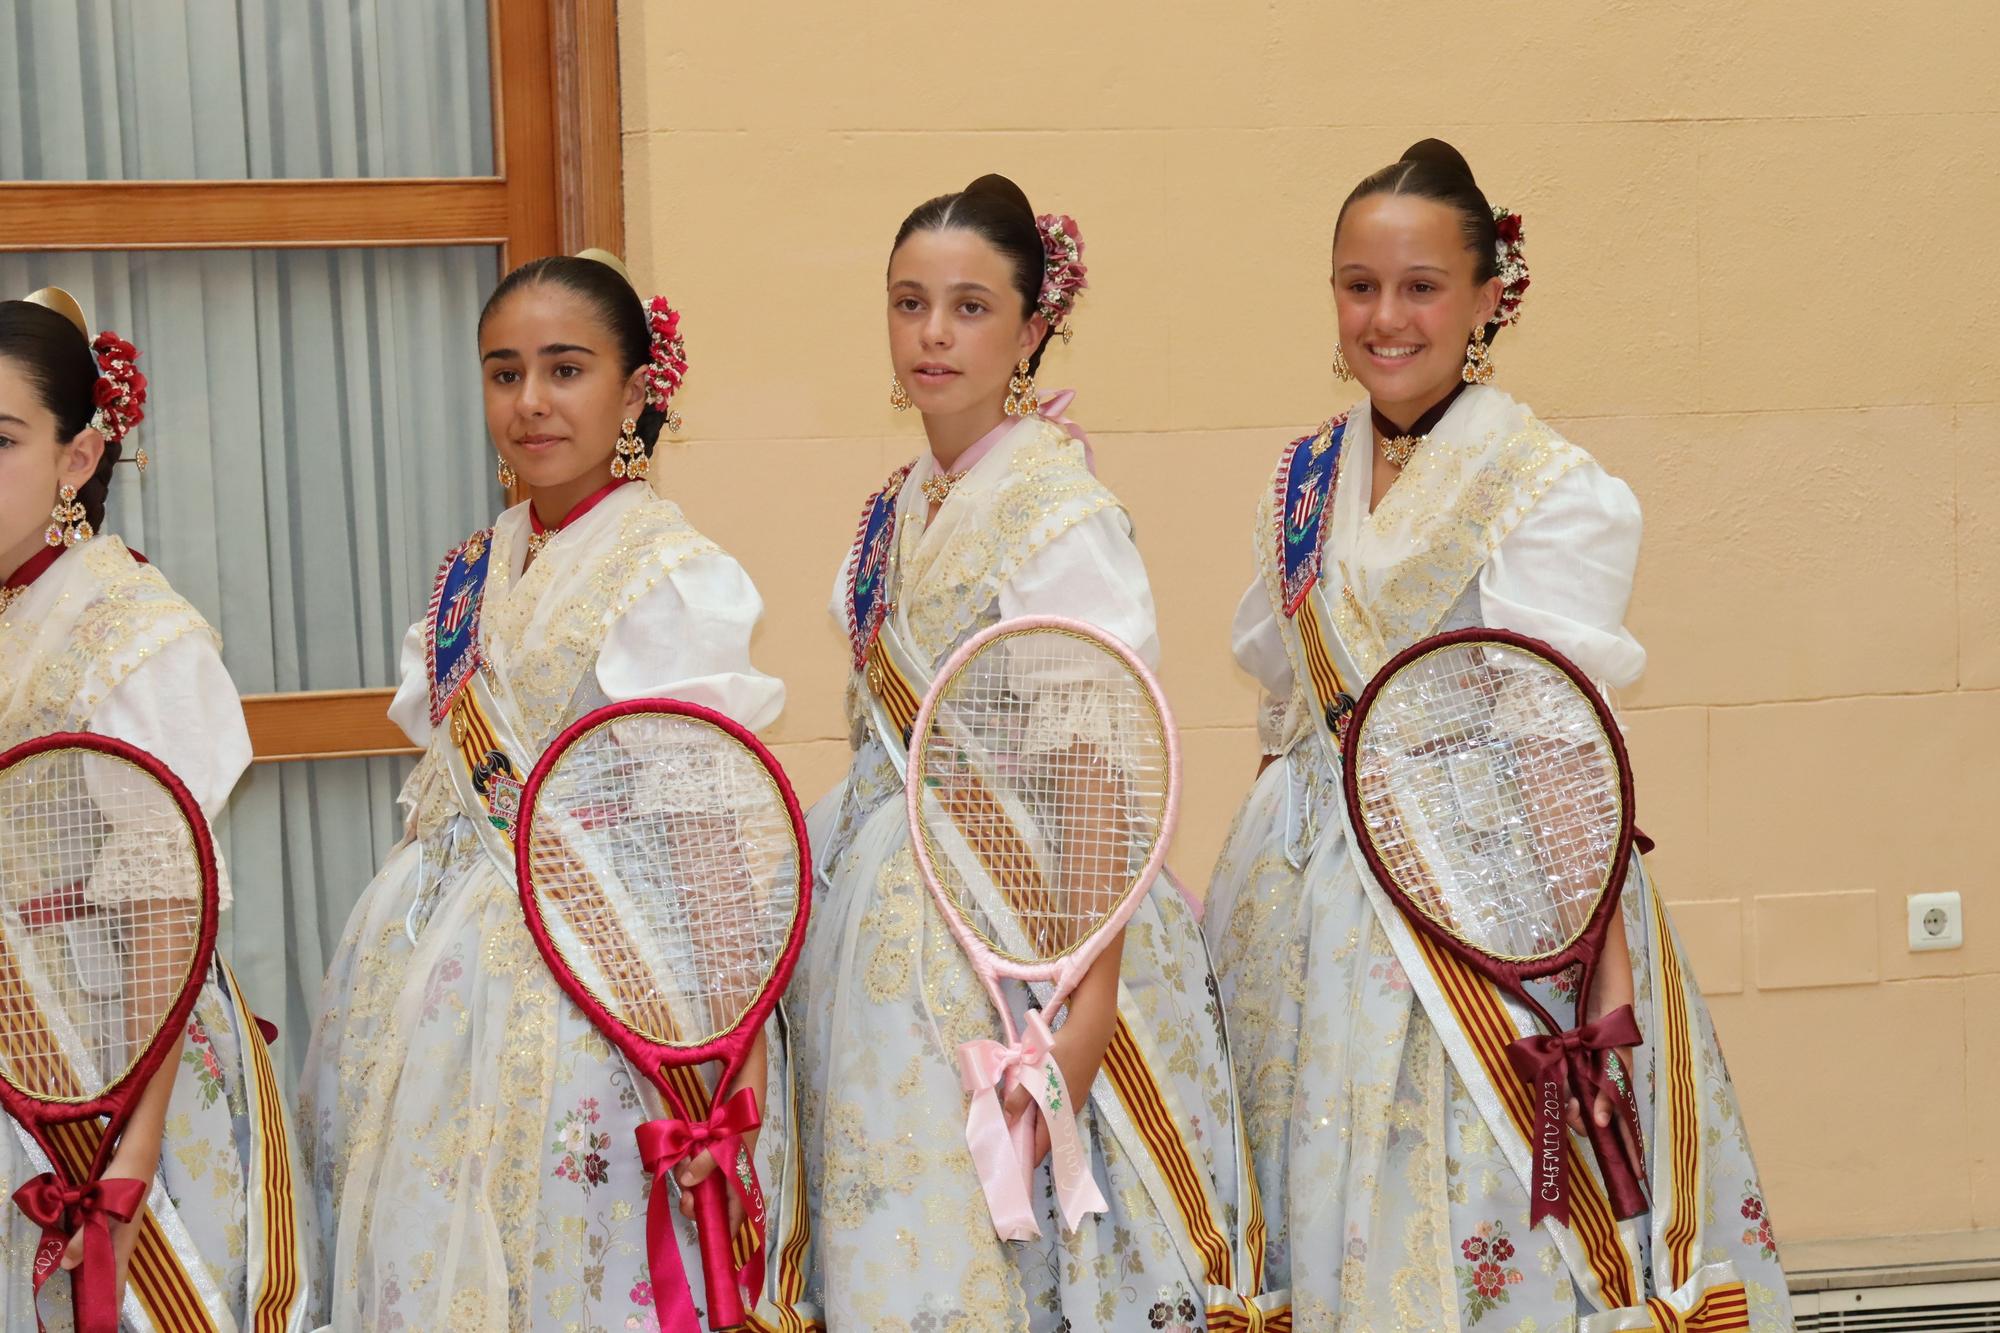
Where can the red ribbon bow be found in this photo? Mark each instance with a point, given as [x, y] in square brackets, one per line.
[664, 1145]
[60, 1209]
[1552, 1065]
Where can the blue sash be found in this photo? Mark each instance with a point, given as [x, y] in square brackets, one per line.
[1305, 481]
[867, 573]
[451, 636]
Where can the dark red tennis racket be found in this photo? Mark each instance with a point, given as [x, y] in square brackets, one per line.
[664, 873]
[107, 927]
[1490, 793]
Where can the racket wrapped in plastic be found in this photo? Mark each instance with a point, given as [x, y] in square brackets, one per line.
[108, 902]
[665, 878]
[1043, 784]
[1489, 792]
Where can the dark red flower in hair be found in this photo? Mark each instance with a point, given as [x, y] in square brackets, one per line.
[1509, 228]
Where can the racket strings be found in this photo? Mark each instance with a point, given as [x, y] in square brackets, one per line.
[1045, 760]
[101, 904]
[1492, 796]
[665, 858]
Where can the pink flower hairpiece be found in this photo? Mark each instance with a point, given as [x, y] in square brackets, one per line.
[668, 366]
[1512, 265]
[121, 390]
[1063, 270]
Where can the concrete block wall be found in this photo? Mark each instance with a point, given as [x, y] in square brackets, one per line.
[1767, 293]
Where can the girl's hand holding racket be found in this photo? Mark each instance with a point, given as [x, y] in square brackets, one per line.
[108, 902]
[664, 876]
[1042, 786]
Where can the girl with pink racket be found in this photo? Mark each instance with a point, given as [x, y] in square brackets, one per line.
[475, 1136]
[1019, 1110]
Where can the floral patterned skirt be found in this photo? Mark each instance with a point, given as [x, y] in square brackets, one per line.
[204, 1169]
[1389, 1201]
[902, 1232]
[472, 1134]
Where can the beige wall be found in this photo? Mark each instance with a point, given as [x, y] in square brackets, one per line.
[1765, 293]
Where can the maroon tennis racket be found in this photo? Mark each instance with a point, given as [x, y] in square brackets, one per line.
[107, 927]
[664, 873]
[1489, 791]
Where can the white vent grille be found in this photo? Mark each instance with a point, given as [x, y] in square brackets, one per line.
[1942, 1307]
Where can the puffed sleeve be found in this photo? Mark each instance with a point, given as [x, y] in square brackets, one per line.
[688, 637]
[181, 706]
[1093, 573]
[1258, 642]
[1564, 574]
[411, 708]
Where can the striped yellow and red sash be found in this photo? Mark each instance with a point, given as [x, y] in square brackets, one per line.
[277, 1296]
[157, 1273]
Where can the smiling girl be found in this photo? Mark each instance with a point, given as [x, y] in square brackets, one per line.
[999, 517]
[472, 1134]
[1394, 1176]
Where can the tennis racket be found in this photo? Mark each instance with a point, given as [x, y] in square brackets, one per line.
[664, 875]
[1490, 794]
[1043, 781]
[107, 927]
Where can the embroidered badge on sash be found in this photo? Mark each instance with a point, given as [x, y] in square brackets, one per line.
[868, 566]
[1304, 484]
[452, 624]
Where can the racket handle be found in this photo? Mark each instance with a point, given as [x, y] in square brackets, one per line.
[1624, 1179]
[718, 1264]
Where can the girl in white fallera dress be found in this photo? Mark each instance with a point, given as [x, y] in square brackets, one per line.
[93, 639]
[1391, 1161]
[471, 1134]
[1000, 518]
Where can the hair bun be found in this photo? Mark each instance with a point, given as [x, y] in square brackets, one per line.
[1438, 153]
[995, 186]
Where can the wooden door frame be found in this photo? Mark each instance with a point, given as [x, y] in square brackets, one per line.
[558, 189]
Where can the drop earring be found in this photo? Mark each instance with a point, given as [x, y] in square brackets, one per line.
[67, 524]
[899, 397]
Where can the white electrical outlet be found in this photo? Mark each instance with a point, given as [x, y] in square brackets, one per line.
[1936, 922]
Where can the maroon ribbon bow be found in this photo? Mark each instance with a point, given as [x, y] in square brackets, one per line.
[1554, 1065]
[664, 1145]
[60, 1209]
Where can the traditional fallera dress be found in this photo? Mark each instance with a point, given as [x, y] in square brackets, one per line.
[884, 997]
[1389, 1134]
[94, 639]
[470, 1133]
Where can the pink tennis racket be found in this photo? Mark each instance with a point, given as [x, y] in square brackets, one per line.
[664, 875]
[108, 904]
[1043, 782]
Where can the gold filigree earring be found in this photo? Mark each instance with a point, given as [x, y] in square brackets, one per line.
[629, 459]
[1341, 370]
[1022, 400]
[1478, 367]
[67, 524]
[899, 397]
[505, 474]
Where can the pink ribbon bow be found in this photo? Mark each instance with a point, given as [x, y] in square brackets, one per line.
[59, 1209]
[1003, 1153]
[664, 1145]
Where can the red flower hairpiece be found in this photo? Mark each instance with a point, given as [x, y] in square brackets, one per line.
[121, 389]
[1063, 271]
[1512, 265]
[668, 366]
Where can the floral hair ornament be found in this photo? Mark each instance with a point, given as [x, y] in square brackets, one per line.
[1511, 264]
[121, 389]
[1062, 272]
[668, 364]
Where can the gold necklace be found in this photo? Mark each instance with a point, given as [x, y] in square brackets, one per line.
[938, 489]
[1398, 451]
[8, 596]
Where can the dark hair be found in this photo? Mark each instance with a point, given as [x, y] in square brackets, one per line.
[1433, 169]
[55, 357]
[611, 294]
[997, 210]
